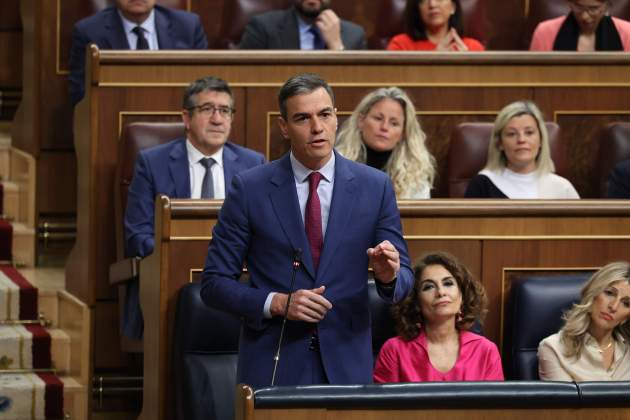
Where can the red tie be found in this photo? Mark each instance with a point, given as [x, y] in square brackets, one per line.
[313, 218]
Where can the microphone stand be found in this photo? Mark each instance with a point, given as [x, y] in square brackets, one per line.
[297, 258]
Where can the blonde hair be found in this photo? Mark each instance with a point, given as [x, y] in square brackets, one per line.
[578, 319]
[410, 166]
[496, 158]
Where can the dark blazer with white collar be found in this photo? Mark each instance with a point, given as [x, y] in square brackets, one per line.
[176, 30]
[278, 30]
[260, 224]
[165, 170]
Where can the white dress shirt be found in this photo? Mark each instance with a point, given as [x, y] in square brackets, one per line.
[307, 39]
[198, 171]
[148, 25]
[324, 189]
[553, 365]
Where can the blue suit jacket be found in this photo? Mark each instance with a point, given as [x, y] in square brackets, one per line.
[260, 224]
[164, 169]
[176, 30]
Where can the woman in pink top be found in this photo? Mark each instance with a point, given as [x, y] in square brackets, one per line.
[588, 27]
[433, 25]
[434, 343]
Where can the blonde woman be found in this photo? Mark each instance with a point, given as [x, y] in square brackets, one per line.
[519, 159]
[383, 132]
[593, 344]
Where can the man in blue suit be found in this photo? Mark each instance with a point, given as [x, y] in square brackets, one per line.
[130, 25]
[334, 216]
[201, 165]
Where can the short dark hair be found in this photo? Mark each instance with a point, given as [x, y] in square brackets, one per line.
[414, 26]
[208, 83]
[299, 85]
[408, 313]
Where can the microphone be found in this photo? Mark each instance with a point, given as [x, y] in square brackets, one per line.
[297, 261]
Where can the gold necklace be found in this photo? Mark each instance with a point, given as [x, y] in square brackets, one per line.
[603, 349]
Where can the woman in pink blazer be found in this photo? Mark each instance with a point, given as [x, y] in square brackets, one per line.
[434, 343]
[587, 28]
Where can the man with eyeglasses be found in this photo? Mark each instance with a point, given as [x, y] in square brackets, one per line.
[588, 27]
[201, 165]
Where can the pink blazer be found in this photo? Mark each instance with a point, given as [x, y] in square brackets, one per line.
[408, 361]
[546, 32]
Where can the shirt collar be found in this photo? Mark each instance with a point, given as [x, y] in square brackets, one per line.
[301, 172]
[465, 337]
[194, 155]
[148, 25]
[303, 27]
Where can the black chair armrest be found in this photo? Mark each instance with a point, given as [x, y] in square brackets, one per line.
[516, 394]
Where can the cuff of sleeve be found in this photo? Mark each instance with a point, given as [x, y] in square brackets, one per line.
[267, 307]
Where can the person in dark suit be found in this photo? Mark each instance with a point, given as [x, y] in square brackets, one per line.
[332, 215]
[308, 25]
[179, 169]
[114, 28]
[619, 180]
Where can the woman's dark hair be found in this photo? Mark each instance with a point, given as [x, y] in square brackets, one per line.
[408, 313]
[414, 26]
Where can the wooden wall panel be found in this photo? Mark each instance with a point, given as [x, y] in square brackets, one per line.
[501, 255]
[448, 88]
[10, 67]
[55, 194]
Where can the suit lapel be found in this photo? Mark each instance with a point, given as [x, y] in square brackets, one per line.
[178, 168]
[163, 28]
[286, 206]
[115, 32]
[340, 215]
[230, 165]
[289, 32]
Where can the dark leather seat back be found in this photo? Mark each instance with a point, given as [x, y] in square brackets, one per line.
[468, 153]
[614, 146]
[391, 21]
[136, 137]
[383, 326]
[534, 311]
[236, 15]
[205, 352]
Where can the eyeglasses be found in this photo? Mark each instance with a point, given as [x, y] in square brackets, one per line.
[207, 110]
[591, 10]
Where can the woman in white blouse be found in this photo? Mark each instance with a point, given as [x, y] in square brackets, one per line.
[519, 159]
[593, 343]
[384, 133]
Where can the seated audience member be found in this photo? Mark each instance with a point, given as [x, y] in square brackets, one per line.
[307, 25]
[519, 160]
[593, 344]
[588, 27]
[384, 133]
[132, 25]
[199, 166]
[433, 342]
[433, 25]
[619, 180]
